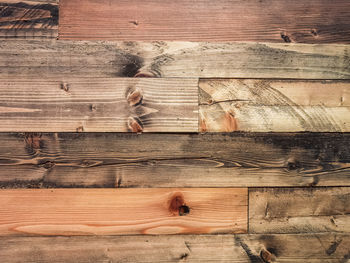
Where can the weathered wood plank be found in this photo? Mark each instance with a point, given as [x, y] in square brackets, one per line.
[40, 59]
[293, 210]
[123, 211]
[314, 21]
[99, 105]
[274, 105]
[29, 19]
[173, 160]
[313, 248]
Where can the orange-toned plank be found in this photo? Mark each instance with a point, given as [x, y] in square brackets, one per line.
[123, 211]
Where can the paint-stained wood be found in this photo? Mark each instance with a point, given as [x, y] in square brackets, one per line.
[173, 160]
[315, 248]
[40, 59]
[99, 105]
[313, 21]
[122, 211]
[304, 210]
[28, 19]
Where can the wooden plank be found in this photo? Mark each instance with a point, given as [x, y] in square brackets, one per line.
[173, 160]
[123, 211]
[99, 105]
[291, 248]
[292, 210]
[41, 59]
[29, 19]
[314, 21]
[274, 105]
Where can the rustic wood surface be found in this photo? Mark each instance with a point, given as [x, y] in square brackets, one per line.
[274, 105]
[314, 21]
[123, 211]
[99, 105]
[314, 248]
[28, 19]
[173, 160]
[293, 210]
[39, 59]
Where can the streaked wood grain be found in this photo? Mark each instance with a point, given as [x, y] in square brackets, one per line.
[173, 160]
[314, 21]
[99, 105]
[274, 105]
[304, 210]
[42, 59]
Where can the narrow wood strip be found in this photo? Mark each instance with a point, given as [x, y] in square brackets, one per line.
[29, 19]
[41, 59]
[274, 105]
[99, 105]
[123, 211]
[291, 210]
[173, 160]
[314, 248]
[314, 21]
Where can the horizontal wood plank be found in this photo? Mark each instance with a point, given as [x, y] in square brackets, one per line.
[99, 105]
[173, 160]
[313, 248]
[293, 210]
[29, 19]
[42, 59]
[123, 211]
[314, 21]
[274, 105]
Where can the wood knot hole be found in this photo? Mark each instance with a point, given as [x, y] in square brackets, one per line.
[267, 256]
[177, 205]
[135, 124]
[134, 96]
[65, 86]
[293, 164]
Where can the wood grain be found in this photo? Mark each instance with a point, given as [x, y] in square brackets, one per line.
[28, 19]
[123, 211]
[274, 105]
[314, 248]
[99, 105]
[293, 210]
[42, 59]
[314, 21]
[173, 160]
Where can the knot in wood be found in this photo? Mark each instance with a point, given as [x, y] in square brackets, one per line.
[177, 205]
[134, 124]
[267, 256]
[134, 96]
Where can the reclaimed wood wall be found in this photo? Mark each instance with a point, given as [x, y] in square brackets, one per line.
[175, 131]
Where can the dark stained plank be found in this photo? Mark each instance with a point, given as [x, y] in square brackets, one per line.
[29, 19]
[173, 160]
[123, 211]
[314, 248]
[255, 105]
[314, 21]
[39, 59]
[304, 210]
[99, 105]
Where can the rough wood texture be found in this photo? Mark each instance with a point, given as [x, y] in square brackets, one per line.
[293, 210]
[314, 21]
[28, 19]
[39, 59]
[105, 105]
[123, 211]
[313, 248]
[274, 105]
[173, 160]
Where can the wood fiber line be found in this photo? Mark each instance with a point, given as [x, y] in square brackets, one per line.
[99, 105]
[228, 105]
[59, 59]
[28, 19]
[314, 21]
[304, 210]
[35, 160]
[72, 212]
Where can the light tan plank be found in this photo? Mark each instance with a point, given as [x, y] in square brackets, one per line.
[122, 211]
[173, 59]
[293, 210]
[274, 105]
